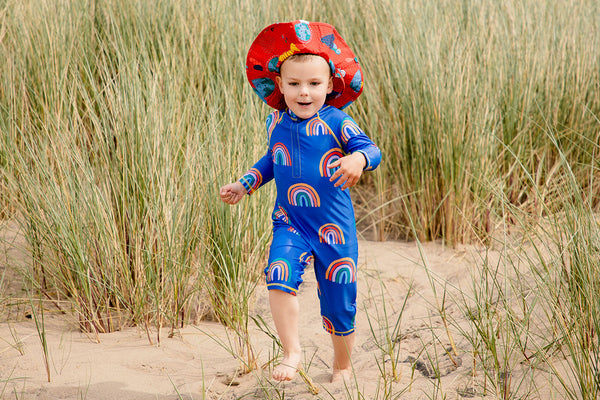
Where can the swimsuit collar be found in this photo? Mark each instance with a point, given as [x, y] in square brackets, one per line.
[294, 117]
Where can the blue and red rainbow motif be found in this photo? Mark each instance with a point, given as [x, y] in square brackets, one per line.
[252, 180]
[331, 234]
[307, 258]
[272, 120]
[303, 195]
[328, 326]
[281, 155]
[279, 271]
[328, 158]
[342, 271]
[316, 127]
[280, 214]
[349, 129]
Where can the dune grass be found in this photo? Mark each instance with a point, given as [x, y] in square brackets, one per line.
[120, 120]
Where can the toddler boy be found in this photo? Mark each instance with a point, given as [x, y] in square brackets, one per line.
[316, 152]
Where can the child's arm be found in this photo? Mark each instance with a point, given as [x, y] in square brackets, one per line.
[257, 176]
[363, 155]
[350, 169]
[254, 178]
[232, 192]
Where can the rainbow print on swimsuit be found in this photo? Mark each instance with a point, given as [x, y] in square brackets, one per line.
[316, 127]
[328, 326]
[303, 195]
[331, 234]
[272, 120]
[281, 155]
[280, 214]
[253, 179]
[306, 258]
[349, 129]
[341, 271]
[279, 271]
[328, 158]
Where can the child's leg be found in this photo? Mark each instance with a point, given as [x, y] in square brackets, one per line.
[285, 310]
[342, 356]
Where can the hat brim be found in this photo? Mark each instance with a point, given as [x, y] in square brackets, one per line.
[277, 42]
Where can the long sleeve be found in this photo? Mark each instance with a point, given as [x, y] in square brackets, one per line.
[356, 140]
[259, 174]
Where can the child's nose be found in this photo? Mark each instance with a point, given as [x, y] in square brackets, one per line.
[304, 89]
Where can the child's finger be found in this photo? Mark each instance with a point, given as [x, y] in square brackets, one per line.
[337, 174]
[341, 181]
[224, 190]
[335, 164]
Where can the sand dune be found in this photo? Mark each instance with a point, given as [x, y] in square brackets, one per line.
[196, 363]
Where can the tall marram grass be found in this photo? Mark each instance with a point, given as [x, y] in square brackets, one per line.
[118, 127]
[120, 120]
[533, 312]
[453, 88]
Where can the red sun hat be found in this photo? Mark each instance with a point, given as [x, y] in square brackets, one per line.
[277, 42]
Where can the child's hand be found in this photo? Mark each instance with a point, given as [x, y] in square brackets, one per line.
[232, 192]
[350, 170]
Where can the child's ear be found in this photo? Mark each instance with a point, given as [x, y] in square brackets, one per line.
[279, 83]
[330, 85]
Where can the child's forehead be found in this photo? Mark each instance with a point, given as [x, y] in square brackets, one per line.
[312, 61]
[305, 58]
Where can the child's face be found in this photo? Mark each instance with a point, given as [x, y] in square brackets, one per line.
[305, 85]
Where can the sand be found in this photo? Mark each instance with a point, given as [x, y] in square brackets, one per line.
[196, 363]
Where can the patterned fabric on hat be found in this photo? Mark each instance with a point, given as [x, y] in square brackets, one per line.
[279, 41]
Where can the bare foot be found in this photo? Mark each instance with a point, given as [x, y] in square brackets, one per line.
[286, 370]
[340, 375]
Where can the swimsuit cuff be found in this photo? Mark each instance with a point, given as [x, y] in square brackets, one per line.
[247, 186]
[368, 164]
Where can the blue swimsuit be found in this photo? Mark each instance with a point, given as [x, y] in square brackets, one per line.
[312, 219]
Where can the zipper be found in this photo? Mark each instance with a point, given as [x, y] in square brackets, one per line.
[296, 163]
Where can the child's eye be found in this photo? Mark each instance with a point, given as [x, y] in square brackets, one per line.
[293, 83]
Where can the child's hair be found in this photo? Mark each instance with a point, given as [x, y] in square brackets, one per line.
[302, 57]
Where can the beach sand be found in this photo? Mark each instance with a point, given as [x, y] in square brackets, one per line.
[395, 279]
